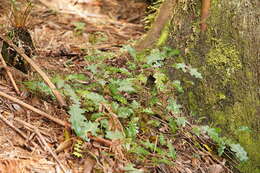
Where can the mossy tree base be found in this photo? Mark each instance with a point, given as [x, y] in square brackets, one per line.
[227, 56]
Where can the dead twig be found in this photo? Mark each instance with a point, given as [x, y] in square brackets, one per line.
[42, 141]
[49, 149]
[30, 127]
[64, 145]
[115, 119]
[38, 69]
[9, 74]
[58, 121]
[13, 127]
[101, 140]
[23, 135]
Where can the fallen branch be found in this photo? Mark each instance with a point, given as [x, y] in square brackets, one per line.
[101, 140]
[23, 135]
[58, 121]
[29, 126]
[9, 74]
[38, 69]
[49, 149]
[43, 141]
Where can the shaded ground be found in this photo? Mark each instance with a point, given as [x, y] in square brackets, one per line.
[62, 42]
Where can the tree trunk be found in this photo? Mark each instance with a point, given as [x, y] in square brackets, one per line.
[164, 16]
[227, 54]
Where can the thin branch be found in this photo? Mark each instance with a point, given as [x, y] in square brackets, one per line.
[23, 135]
[49, 149]
[29, 126]
[42, 140]
[101, 141]
[13, 127]
[58, 121]
[9, 74]
[13, 99]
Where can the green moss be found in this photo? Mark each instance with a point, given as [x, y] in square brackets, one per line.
[231, 120]
[222, 64]
[152, 11]
[223, 58]
[164, 35]
[219, 118]
[230, 103]
[192, 102]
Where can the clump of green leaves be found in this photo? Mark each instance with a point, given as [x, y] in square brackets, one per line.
[39, 87]
[185, 68]
[79, 27]
[223, 143]
[134, 103]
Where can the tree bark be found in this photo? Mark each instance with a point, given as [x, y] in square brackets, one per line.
[205, 6]
[163, 17]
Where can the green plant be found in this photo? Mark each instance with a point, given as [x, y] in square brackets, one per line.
[223, 143]
[130, 169]
[117, 105]
[39, 87]
[185, 68]
[79, 27]
[77, 149]
[98, 37]
[173, 106]
[177, 84]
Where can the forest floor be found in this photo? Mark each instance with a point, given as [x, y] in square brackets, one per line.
[66, 38]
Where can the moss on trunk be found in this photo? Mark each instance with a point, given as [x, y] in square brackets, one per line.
[227, 54]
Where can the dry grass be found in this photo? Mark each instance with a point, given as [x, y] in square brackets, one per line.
[17, 12]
